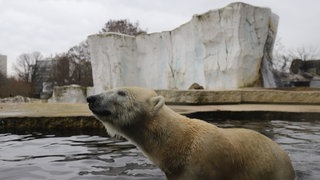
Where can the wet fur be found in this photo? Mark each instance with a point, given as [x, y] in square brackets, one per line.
[189, 148]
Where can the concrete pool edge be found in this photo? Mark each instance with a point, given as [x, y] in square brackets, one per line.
[23, 116]
[242, 96]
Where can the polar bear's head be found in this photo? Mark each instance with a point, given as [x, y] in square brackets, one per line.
[122, 107]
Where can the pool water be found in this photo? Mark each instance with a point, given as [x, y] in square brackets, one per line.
[93, 155]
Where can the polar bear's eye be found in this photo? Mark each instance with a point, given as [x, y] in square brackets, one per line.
[121, 93]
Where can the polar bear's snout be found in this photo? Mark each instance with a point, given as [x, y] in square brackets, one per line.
[94, 103]
[92, 99]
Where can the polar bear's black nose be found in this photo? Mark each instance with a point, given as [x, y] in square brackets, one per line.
[92, 99]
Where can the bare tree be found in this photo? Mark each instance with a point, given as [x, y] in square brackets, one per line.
[283, 57]
[10, 86]
[60, 70]
[279, 61]
[3, 80]
[304, 53]
[37, 56]
[80, 65]
[27, 70]
[123, 26]
[82, 73]
[79, 52]
[25, 67]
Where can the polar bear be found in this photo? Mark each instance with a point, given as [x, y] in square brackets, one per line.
[185, 148]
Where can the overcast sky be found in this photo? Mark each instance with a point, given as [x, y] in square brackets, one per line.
[53, 26]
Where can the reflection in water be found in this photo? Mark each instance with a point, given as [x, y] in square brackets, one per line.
[94, 156]
[35, 156]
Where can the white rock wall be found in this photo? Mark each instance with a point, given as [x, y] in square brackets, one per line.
[220, 50]
[69, 94]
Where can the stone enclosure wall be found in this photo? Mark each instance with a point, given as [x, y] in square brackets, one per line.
[222, 49]
[70, 94]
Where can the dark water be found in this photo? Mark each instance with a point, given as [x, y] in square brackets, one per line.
[81, 155]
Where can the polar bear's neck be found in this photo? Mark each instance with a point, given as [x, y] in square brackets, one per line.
[163, 129]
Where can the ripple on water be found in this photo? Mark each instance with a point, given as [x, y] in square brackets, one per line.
[82, 156]
[71, 157]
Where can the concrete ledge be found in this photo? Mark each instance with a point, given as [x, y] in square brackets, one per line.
[245, 104]
[263, 96]
[280, 97]
[89, 123]
[62, 116]
[200, 97]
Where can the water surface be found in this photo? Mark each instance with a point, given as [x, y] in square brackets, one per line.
[89, 155]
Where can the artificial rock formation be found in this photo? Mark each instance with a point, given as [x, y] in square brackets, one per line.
[222, 49]
[69, 94]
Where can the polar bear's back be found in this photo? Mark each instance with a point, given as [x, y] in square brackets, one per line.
[261, 154]
[235, 153]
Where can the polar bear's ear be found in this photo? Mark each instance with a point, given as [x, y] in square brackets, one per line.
[157, 103]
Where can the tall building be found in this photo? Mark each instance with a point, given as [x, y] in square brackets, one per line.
[3, 64]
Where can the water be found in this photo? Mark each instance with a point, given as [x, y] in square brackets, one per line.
[57, 156]
[87, 155]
